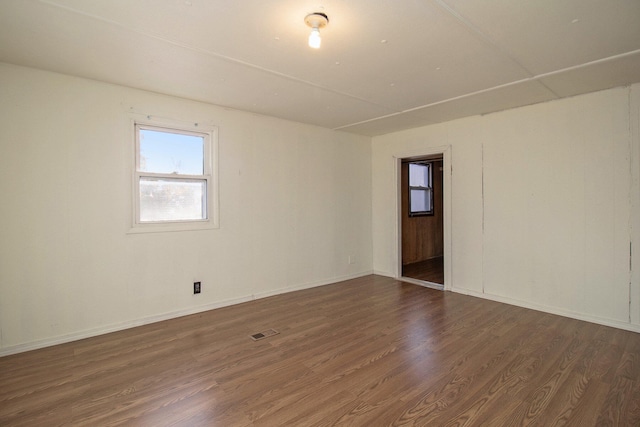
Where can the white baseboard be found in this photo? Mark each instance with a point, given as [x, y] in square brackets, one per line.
[384, 273]
[312, 284]
[525, 304]
[47, 342]
[34, 345]
[552, 310]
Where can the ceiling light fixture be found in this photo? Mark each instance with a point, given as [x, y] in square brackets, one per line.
[316, 21]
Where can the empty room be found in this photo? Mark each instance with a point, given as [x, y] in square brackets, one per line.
[313, 213]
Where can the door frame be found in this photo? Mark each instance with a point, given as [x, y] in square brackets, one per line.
[445, 152]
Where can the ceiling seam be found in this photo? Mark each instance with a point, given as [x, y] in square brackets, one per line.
[210, 53]
[588, 64]
[535, 78]
[487, 39]
[433, 104]
[467, 24]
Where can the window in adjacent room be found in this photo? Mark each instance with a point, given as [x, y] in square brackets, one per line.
[173, 176]
[420, 188]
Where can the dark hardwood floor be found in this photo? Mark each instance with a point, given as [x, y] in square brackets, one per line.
[431, 270]
[367, 352]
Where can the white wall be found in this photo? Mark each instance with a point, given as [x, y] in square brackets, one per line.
[543, 199]
[295, 203]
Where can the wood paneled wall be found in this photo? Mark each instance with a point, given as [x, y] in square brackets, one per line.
[422, 236]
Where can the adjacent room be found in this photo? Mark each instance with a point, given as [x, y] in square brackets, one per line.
[243, 213]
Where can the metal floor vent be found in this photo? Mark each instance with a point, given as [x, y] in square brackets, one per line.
[264, 334]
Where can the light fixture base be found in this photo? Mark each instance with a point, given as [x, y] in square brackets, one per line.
[316, 20]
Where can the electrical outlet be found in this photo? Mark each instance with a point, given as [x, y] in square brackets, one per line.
[352, 259]
[196, 287]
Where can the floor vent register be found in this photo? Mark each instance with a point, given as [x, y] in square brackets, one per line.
[265, 334]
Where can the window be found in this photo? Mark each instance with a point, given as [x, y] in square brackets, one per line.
[420, 188]
[173, 176]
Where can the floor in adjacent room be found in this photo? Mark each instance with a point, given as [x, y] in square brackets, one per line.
[372, 351]
[430, 270]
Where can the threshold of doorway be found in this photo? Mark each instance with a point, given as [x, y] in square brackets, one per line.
[424, 283]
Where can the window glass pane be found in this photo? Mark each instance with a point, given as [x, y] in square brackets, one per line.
[420, 200]
[172, 200]
[418, 175]
[166, 152]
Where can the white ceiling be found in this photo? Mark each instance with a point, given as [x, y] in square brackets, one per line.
[383, 65]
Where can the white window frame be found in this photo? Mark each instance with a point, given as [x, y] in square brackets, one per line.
[210, 176]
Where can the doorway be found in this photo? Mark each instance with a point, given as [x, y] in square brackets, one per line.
[422, 220]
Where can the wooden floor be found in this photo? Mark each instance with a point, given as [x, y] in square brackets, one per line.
[368, 352]
[431, 270]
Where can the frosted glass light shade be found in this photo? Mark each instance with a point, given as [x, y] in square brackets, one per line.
[314, 38]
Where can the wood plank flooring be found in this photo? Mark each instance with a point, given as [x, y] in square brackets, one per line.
[367, 352]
